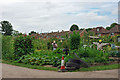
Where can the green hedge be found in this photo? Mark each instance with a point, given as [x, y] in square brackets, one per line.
[23, 45]
[7, 48]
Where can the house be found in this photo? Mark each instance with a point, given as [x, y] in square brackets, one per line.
[100, 31]
[61, 34]
[115, 30]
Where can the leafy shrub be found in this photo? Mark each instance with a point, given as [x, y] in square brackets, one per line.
[49, 45]
[44, 57]
[66, 43]
[7, 48]
[23, 45]
[39, 44]
[58, 50]
[74, 41]
[92, 55]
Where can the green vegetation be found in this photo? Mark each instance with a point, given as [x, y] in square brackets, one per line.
[92, 55]
[74, 27]
[32, 32]
[74, 41]
[34, 52]
[30, 66]
[6, 27]
[7, 48]
[111, 26]
[44, 57]
[93, 68]
[23, 45]
[104, 67]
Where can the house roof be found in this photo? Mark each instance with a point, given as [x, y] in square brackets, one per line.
[101, 30]
[62, 33]
[115, 29]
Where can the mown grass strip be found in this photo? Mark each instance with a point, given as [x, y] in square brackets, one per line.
[93, 68]
[104, 67]
[30, 66]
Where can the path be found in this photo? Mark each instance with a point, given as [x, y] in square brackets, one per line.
[10, 71]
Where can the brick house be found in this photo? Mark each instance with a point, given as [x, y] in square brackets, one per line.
[100, 31]
[61, 34]
[115, 30]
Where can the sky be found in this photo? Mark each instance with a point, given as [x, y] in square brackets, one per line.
[56, 15]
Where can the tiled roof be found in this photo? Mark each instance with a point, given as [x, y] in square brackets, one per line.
[115, 29]
[101, 30]
[62, 33]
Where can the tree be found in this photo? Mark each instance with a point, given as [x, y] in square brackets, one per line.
[6, 27]
[111, 26]
[108, 28]
[74, 27]
[32, 32]
[88, 29]
[15, 33]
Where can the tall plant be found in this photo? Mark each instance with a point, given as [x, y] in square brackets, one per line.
[7, 48]
[74, 40]
[23, 45]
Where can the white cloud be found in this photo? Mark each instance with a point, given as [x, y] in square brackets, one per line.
[115, 11]
[54, 16]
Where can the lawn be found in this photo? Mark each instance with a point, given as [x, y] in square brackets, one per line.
[92, 68]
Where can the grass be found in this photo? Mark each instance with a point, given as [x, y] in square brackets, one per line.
[104, 67]
[92, 68]
[30, 66]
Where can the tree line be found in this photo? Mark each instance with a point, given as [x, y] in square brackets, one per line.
[7, 28]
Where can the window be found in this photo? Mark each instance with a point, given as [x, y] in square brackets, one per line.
[112, 34]
[118, 39]
[98, 29]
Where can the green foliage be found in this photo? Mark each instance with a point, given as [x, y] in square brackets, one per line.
[40, 44]
[58, 50]
[92, 55]
[23, 45]
[111, 26]
[32, 32]
[43, 57]
[15, 33]
[74, 41]
[66, 43]
[49, 45]
[74, 27]
[88, 29]
[6, 27]
[114, 53]
[7, 48]
[30, 66]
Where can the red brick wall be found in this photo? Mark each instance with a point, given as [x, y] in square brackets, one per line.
[82, 33]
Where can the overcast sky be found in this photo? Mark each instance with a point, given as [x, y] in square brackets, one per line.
[54, 15]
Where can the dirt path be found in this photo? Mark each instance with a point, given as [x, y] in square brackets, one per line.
[10, 71]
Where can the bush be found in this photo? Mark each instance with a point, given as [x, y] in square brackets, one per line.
[44, 57]
[7, 48]
[66, 43]
[74, 41]
[92, 55]
[23, 45]
[49, 45]
[39, 44]
[58, 50]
